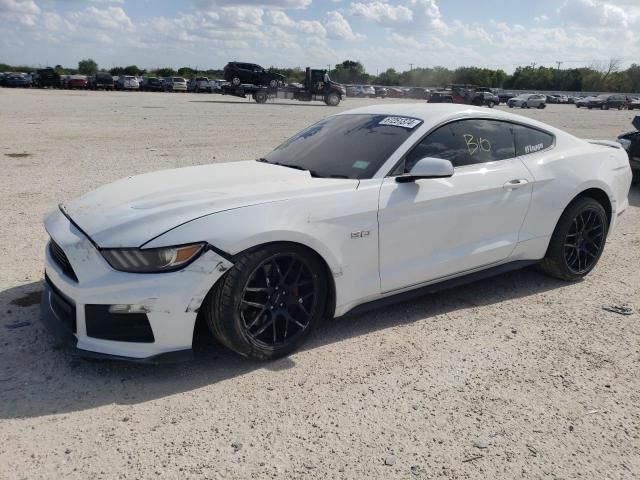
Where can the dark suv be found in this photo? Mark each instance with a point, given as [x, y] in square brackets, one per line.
[607, 101]
[46, 77]
[631, 143]
[101, 81]
[238, 73]
[152, 84]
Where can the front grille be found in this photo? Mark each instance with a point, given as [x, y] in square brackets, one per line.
[64, 310]
[61, 260]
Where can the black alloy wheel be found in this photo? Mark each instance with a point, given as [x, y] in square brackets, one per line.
[577, 241]
[585, 240]
[269, 302]
[278, 301]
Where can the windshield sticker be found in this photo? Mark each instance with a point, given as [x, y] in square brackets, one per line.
[403, 122]
[361, 165]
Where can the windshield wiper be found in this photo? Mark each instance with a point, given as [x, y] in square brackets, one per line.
[295, 167]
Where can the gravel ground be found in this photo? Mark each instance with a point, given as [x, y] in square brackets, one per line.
[520, 376]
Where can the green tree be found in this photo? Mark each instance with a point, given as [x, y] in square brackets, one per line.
[87, 67]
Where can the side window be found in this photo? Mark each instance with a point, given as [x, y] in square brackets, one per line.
[530, 140]
[466, 142]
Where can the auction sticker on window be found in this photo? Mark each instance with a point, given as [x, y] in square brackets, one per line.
[404, 122]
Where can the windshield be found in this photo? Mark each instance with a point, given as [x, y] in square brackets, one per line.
[345, 146]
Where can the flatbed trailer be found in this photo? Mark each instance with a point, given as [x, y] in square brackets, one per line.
[316, 87]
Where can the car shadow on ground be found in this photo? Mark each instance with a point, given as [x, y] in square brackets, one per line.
[36, 379]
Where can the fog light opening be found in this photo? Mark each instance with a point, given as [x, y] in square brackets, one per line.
[128, 309]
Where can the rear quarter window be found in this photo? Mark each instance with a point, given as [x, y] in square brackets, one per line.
[529, 140]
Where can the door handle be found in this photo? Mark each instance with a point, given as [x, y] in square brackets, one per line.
[515, 184]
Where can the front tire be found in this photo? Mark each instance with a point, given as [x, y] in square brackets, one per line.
[269, 302]
[524, 105]
[577, 241]
[332, 99]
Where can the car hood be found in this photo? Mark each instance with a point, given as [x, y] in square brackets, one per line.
[134, 210]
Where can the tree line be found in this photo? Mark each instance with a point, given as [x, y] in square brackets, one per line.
[608, 77]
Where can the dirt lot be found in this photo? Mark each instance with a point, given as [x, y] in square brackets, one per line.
[520, 376]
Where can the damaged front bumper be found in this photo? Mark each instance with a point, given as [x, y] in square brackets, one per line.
[164, 305]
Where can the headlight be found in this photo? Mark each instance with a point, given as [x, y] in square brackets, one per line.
[152, 260]
[625, 143]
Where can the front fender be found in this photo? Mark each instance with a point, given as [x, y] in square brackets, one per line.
[325, 225]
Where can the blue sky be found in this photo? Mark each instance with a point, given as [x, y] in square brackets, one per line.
[290, 33]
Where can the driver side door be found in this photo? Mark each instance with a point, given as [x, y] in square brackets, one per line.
[431, 229]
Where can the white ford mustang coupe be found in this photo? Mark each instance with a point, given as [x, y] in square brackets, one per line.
[367, 205]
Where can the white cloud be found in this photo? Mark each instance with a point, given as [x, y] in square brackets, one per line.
[594, 13]
[381, 12]
[24, 12]
[282, 4]
[339, 28]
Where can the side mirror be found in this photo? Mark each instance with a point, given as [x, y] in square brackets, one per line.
[427, 168]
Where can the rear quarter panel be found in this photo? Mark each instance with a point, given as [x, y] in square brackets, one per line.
[563, 172]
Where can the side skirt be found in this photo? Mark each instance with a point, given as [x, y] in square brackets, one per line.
[439, 286]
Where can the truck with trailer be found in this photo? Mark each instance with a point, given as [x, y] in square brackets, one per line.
[317, 86]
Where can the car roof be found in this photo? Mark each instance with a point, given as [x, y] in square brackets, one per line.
[436, 113]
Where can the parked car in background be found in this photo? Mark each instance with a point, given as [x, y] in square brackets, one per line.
[152, 84]
[393, 92]
[216, 84]
[381, 91]
[505, 96]
[46, 78]
[238, 73]
[528, 100]
[199, 84]
[607, 101]
[440, 97]
[630, 141]
[419, 93]
[17, 79]
[127, 82]
[488, 99]
[78, 82]
[101, 81]
[632, 103]
[583, 101]
[361, 91]
[64, 81]
[175, 84]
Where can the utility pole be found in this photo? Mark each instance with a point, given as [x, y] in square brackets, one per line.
[411, 67]
[559, 63]
[533, 64]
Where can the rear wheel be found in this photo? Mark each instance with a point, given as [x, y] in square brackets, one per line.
[578, 240]
[491, 105]
[524, 105]
[273, 83]
[268, 303]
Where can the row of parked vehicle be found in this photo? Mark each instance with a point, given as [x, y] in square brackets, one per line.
[47, 78]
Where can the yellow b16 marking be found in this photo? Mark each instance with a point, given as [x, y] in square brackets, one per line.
[473, 144]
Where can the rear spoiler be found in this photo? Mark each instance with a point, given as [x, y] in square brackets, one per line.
[605, 143]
